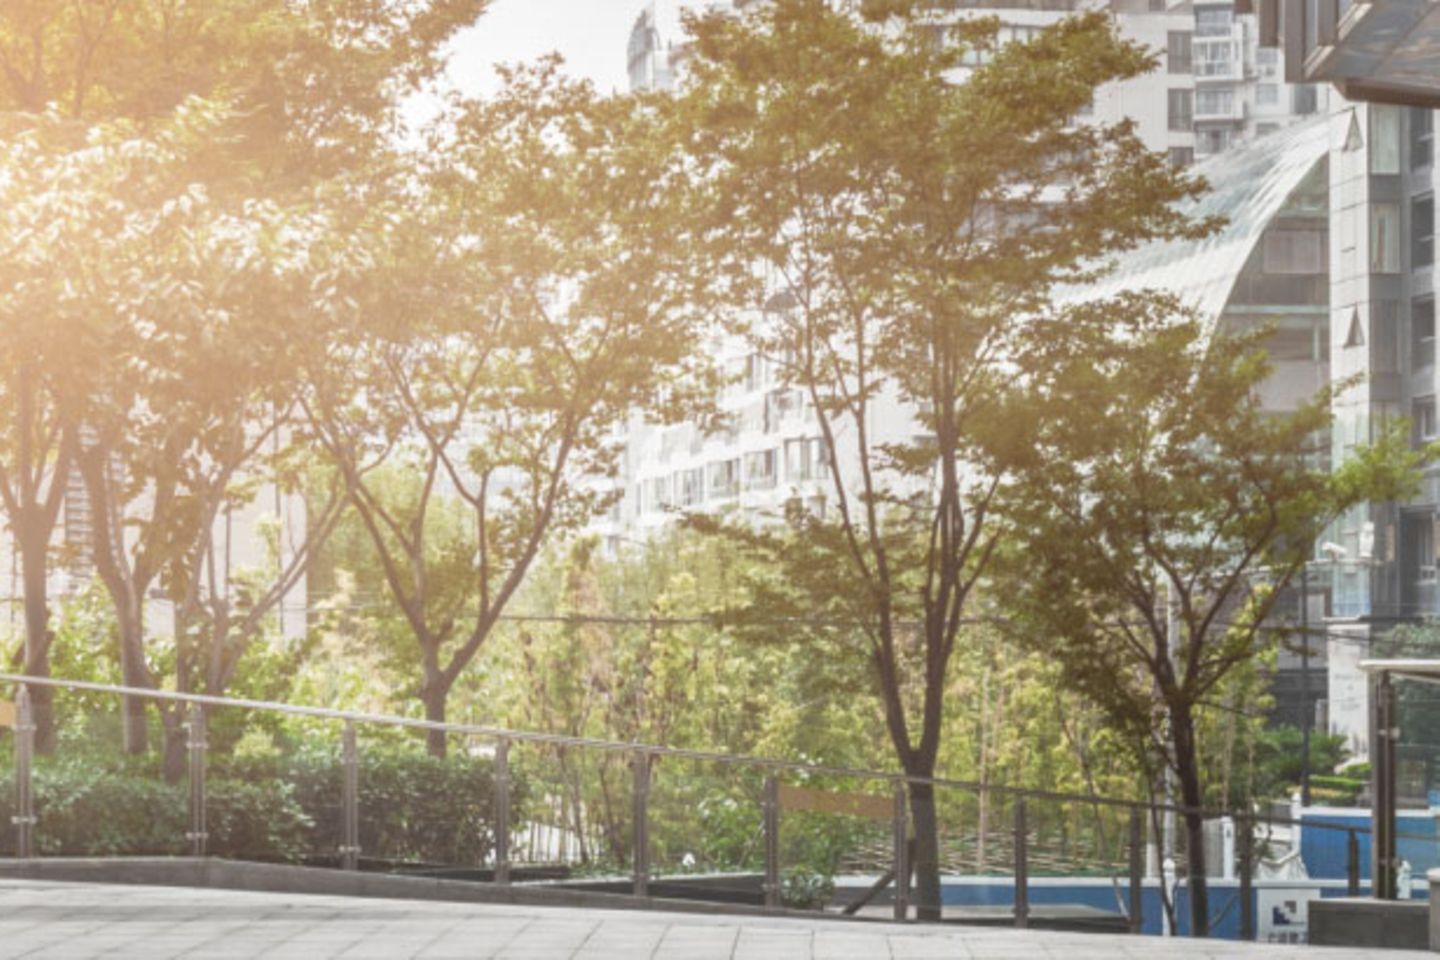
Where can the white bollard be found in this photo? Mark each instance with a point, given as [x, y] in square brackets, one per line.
[1227, 848]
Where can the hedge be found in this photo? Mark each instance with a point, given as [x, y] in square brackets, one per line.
[413, 808]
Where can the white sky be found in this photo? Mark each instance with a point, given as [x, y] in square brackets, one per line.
[590, 34]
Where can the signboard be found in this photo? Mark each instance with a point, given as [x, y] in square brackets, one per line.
[827, 801]
[1282, 914]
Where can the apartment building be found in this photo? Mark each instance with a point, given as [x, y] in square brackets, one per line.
[1214, 89]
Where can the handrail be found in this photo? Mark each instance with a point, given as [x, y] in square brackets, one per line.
[654, 750]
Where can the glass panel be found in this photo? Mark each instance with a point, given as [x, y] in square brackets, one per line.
[1384, 139]
[1384, 238]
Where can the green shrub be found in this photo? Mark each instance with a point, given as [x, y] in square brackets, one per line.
[256, 821]
[413, 808]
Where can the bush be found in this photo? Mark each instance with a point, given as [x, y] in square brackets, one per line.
[256, 821]
[413, 808]
[87, 812]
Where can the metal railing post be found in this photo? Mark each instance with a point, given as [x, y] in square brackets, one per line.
[198, 835]
[770, 810]
[349, 798]
[1137, 869]
[642, 823]
[502, 811]
[24, 818]
[1022, 867]
[1352, 864]
[1244, 837]
[902, 854]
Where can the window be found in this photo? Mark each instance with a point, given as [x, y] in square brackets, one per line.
[1181, 157]
[690, 487]
[1177, 54]
[1181, 114]
[1212, 103]
[757, 372]
[1384, 139]
[1422, 419]
[1267, 94]
[1268, 60]
[724, 479]
[655, 494]
[1213, 21]
[1422, 137]
[760, 473]
[805, 459]
[1292, 252]
[1422, 230]
[1214, 59]
[1209, 142]
[1384, 238]
[1303, 99]
[1422, 333]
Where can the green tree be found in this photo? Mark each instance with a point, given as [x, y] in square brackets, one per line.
[1164, 510]
[527, 299]
[895, 227]
[313, 84]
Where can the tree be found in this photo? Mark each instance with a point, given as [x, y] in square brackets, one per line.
[312, 84]
[309, 79]
[48, 200]
[190, 415]
[1164, 511]
[527, 300]
[882, 232]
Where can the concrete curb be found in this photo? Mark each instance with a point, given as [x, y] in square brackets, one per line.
[221, 874]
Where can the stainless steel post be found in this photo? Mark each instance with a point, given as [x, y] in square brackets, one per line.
[1137, 869]
[198, 835]
[902, 854]
[349, 799]
[642, 823]
[1022, 867]
[502, 811]
[1244, 834]
[24, 818]
[1352, 864]
[770, 807]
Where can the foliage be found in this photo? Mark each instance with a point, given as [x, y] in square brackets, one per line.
[1278, 761]
[1164, 511]
[882, 219]
[526, 300]
[414, 808]
[804, 889]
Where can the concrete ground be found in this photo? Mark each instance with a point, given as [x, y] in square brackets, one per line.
[47, 919]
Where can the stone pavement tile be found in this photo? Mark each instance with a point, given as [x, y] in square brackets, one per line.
[914, 947]
[849, 944]
[697, 942]
[762, 943]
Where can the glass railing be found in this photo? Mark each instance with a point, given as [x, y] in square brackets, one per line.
[269, 783]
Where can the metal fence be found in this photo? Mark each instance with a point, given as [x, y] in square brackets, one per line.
[659, 814]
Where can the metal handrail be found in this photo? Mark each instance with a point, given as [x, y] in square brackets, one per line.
[770, 764]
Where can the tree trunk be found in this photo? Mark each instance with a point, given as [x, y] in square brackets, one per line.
[926, 859]
[176, 763]
[34, 562]
[132, 668]
[1188, 773]
[434, 697]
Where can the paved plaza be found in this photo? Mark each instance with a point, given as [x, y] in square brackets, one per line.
[39, 919]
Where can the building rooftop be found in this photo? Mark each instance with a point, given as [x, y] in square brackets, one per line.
[1250, 185]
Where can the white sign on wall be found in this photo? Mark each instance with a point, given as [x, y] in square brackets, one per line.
[1282, 914]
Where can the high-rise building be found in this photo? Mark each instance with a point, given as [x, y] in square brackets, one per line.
[1215, 86]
